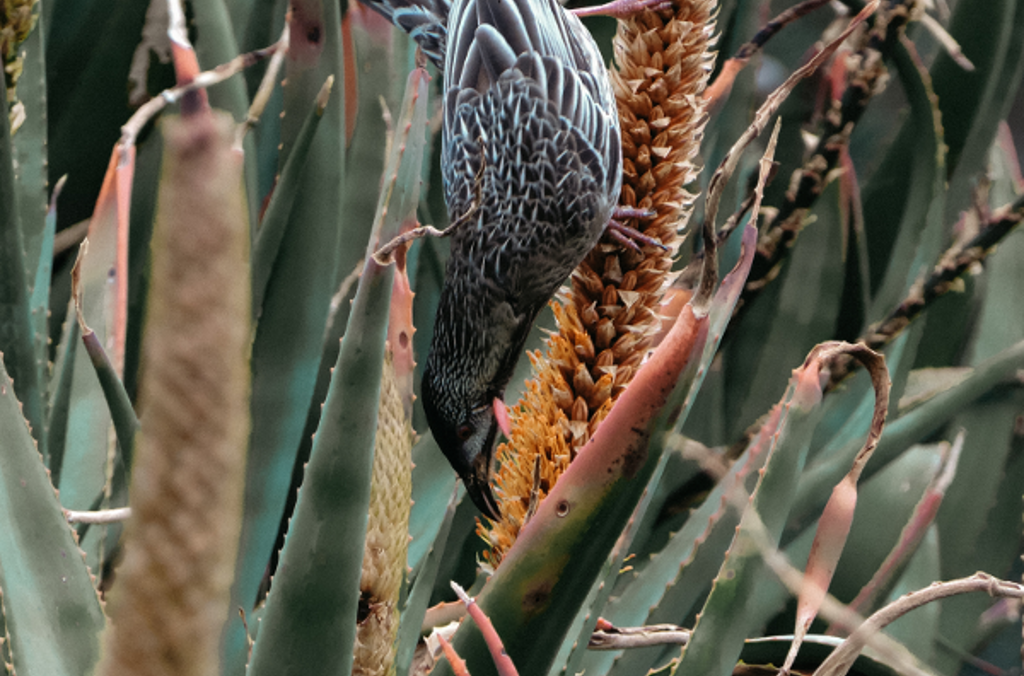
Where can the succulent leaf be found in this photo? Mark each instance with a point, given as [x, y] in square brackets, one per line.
[721, 628]
[289, 338]
[330, 495]
[51, 610]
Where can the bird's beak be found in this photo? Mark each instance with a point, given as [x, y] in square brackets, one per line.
[478, 485]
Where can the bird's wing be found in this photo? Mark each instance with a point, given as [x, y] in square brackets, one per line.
[539, 41]
[426, 22]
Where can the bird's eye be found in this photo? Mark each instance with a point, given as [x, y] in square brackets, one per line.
[464, 432]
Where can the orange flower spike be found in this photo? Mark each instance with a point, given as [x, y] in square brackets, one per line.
[608, 318]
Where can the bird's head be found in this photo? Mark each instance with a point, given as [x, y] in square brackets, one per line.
[466, 437]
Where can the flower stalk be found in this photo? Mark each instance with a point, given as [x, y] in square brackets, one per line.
[171, 600]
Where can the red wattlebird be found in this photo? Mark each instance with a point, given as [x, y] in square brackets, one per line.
[531, 158]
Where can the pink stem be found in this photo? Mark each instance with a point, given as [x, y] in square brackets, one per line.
[494, 644]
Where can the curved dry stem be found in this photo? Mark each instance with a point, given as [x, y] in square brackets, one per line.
[875, 364]
[839, 662]
[619, 638]
[266, 88]
[147, 111]
[102, 516]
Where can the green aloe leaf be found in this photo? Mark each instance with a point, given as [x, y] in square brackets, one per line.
[28, 146]
[122, 414]
[316, 593]
[432, 483]
[975, 520]
[30, 140]
[373, 73]
[60, 397]
[676, 579]
[52, 612]
[88, 429]
[973, 103]
[718, 636]
[963, 625]
[919, 630]
[120, 410]
[276, 218]
[904, 200]
[40, 303]
[17, 329]
[87, 89]
[803, 315]
[308, 626]
[918, 158]
[426, 270]
[289, 335]
[683, 488]
[368, 76]
[215, 44]
[575, 652]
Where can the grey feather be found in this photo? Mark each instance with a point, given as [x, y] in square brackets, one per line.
[530, 149]
[531, 162]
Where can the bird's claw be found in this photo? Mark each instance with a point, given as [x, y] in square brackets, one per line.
[622, 9]
[621, 212]
[627, 236]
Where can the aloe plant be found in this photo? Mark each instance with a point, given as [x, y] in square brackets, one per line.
[674, 449]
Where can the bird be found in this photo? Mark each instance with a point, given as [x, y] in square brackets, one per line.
[532, 169]
[531, 159]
